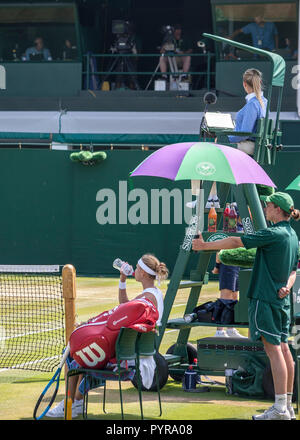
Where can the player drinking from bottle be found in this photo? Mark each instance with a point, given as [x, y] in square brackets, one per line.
[148, 270]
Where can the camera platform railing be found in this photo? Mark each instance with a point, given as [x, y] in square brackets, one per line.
[91, 59]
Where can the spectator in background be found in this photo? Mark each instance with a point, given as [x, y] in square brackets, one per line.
[264, 34]
[291, 47]
[182, 46]
[69, 51]
[38, 51]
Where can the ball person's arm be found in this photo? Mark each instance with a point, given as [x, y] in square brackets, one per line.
[226, 243]
[284, 291]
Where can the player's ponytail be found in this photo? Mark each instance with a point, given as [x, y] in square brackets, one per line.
[157, 266]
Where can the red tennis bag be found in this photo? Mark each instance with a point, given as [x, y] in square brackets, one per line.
[92, 344]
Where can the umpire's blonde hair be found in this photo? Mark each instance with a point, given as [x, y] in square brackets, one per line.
[253, 78]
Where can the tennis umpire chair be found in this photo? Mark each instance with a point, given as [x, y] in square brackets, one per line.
[264, 151]
[125, 350]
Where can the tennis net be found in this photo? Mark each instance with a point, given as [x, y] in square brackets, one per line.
[32, 324]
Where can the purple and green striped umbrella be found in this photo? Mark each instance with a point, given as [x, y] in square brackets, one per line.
[203, 161]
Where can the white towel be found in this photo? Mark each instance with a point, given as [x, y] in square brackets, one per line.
[147, 370]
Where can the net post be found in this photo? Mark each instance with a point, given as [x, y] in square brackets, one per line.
[69, 294]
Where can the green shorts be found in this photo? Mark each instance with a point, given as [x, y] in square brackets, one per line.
[270, 321]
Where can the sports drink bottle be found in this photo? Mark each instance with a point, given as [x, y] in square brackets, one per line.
[232, 219]
[212, 219]
[226, 217]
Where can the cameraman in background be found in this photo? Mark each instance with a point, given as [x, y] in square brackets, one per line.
[174, 42]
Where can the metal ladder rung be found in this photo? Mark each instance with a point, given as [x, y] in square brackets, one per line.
[188, 284]
[172, 358]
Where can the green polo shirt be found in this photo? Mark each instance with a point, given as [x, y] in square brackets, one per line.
[276, 257]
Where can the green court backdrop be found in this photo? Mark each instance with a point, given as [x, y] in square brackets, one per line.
[53, 210]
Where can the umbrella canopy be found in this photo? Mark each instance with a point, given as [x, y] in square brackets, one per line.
[203, 161]
[295, 184]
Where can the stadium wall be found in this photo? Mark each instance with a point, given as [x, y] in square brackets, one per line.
[54, 210]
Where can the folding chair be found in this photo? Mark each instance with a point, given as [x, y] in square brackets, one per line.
[125, 351]
[146, 346]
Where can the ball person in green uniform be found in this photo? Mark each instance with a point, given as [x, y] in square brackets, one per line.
[273, 275]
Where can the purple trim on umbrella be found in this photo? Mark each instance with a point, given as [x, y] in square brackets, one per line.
[170, 158]
[255, 173]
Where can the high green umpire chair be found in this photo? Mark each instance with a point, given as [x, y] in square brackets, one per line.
[267, 144]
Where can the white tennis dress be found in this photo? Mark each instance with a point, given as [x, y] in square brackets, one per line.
[159, 301]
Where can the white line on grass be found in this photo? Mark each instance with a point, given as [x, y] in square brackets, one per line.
[22, 335]
[29, 363]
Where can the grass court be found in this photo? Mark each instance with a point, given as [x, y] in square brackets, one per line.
[20, 389]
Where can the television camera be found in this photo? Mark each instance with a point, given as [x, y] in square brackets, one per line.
[201, 44]
[124, 42]
[123, 45]
[168, 42]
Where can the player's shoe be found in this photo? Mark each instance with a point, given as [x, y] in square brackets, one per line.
[234, 333]
[59, 410]
[221, 334]
[273, 414]
[209, 203]
[292, 412]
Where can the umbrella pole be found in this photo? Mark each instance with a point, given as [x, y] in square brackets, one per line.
[200, 208]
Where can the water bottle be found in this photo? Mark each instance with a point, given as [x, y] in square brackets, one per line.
[190, 317]
[190, 379]
[126, 268]
[228, 380]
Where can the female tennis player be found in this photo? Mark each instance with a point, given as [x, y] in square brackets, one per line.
[148, 270]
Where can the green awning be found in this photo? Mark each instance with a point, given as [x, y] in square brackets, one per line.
[277, 61]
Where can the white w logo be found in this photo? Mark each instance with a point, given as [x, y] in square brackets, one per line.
[94, 359]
